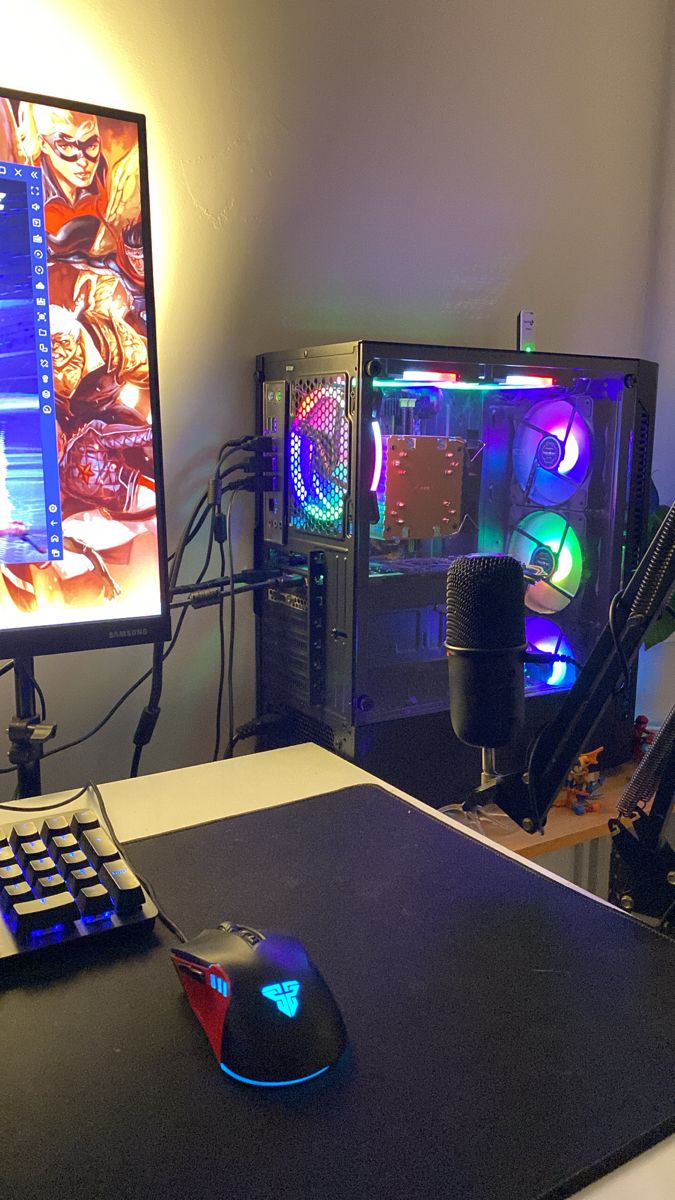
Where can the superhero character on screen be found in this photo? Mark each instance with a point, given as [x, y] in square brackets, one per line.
[97, 471]
[67, 145]
[99, 361]
[91, 182]
[91, 209]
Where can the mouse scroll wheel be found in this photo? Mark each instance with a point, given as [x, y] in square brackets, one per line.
[248, 935]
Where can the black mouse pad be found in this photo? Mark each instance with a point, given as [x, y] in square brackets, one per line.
[509, 1037]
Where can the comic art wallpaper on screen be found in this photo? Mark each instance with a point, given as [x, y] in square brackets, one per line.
[78, 503]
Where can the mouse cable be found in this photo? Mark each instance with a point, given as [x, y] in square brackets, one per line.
[45, 807]
[161, 912]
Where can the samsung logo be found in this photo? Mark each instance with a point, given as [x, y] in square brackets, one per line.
[127, 633]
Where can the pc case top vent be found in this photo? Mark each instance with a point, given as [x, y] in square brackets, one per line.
[319, 456]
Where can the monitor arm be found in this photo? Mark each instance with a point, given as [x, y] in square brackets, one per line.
[527, 797]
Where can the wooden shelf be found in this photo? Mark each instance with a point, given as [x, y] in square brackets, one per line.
[563, 827]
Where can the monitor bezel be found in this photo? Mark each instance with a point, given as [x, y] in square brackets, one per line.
[111, 631]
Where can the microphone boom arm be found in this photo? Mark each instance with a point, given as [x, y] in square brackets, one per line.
[527, 797]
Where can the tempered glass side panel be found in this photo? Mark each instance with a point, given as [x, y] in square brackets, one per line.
[490, 457]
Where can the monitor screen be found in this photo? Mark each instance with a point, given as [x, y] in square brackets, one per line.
[82, 539]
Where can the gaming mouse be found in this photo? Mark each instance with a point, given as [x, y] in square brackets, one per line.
[267, 1012]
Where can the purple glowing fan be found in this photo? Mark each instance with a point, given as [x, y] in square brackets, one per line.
[552, 452]
[545, 635]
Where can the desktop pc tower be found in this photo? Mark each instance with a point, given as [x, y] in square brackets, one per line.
[392, 459]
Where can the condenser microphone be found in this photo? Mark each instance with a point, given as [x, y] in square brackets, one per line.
[485, 642]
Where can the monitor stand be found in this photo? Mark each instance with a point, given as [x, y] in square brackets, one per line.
[27, 732]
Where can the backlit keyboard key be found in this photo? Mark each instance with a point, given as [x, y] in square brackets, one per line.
[26, 851]
[49, 885]
[81, 877]
[39, 866]
[6, 855]
[94, 900]
[10, 874]
[59, 843]
[85, 818]
[123, 885]
[72, 860]
[98, 847]
[24, 831]
[13, 892]
[44, 913]
[53, 826]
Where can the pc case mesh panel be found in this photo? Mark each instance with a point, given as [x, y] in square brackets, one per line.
[319, 456]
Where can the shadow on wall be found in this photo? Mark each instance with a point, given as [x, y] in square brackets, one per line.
[656, 673]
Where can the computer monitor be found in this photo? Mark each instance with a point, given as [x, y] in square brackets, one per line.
[82, 530]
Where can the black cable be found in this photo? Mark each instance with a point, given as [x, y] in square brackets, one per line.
[229, 448]
[260, 575]
[7, 667]
[225, 452]
[240, 589]
[161, 913]
[616, 600]
[252, 728]
[229, 749]
[230, 660]
[46, 807]
[196, 530]
[150, 714]
[221, 678]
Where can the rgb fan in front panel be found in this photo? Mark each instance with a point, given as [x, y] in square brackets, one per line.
[319, 456]
[552, 452]
[545, 636]
[547, 541]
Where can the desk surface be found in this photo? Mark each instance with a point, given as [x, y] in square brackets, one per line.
[182, 799]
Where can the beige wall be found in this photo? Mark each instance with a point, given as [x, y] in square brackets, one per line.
[322, 170]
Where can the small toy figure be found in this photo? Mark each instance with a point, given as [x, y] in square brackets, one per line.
[642, 737]
[582, 786]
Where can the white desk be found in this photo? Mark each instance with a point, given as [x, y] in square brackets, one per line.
[178, 799]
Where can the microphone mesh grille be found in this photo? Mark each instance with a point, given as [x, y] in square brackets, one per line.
[485, 603]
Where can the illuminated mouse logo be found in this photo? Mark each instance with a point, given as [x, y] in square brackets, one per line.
[284, 995]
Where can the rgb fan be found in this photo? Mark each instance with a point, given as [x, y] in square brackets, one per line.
[545, 636]
[552, 452]
[546, 540]
[319, 457]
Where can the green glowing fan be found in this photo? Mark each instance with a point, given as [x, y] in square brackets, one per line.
[547, 541]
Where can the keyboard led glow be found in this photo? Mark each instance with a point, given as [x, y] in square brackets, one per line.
[62, 880]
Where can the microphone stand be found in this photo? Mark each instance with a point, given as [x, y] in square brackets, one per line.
[488, 772]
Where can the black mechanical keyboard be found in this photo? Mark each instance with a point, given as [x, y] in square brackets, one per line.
[64, 880]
